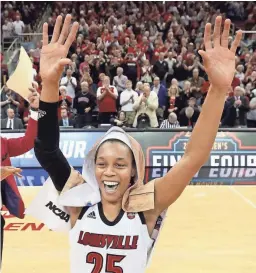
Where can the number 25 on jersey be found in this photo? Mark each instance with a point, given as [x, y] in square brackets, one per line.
[111, 262]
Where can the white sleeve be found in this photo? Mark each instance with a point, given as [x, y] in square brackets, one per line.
[74, 81]
[98, 92]
[34, 115]
[51, 207]
[114, 81]
[46, 208]
[115, 91]
[121, 98]
[63, 81]
[135, 95]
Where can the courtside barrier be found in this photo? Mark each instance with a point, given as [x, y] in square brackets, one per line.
[232, 160]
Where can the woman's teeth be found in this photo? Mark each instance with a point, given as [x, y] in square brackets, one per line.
[110, 186]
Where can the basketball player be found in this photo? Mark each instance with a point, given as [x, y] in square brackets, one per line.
[114, 234]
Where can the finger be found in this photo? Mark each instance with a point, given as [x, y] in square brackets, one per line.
[65, 28]
[31, 89]
[45, 34]
[237, 41]
[31, 95]
[11, 168]
[225, 33]
[62, 63]
[56, 31]
[207, 36]
[18, 174]
[72, 35]
[216, 31]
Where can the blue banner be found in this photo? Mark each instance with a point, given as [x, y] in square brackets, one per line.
[232, 159]
[74, 145]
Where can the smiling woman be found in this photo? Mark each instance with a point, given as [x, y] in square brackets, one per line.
[115, 169]
[114, 217]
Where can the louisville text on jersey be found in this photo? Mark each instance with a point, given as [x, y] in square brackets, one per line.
[57, 211]
[108, 241]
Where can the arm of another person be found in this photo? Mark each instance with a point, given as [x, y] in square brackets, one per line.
[100, 95]
[73, 82]
[21, 145]
[137, 102]
[152, 101]
[245, 104]
[114, 94]
[219, 63]
[122, 99]
[52, 62]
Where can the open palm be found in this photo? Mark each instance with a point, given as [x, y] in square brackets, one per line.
[53, 54]
[219, 60]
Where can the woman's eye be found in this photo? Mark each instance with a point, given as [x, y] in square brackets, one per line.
[100, 164]
[120, 165]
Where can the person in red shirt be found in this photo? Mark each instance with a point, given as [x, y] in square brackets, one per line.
[10, 196]
[106, 96]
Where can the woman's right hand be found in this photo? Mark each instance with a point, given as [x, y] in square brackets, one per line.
[10, 170]
[53, 54]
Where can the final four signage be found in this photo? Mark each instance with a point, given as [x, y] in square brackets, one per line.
[229, 162]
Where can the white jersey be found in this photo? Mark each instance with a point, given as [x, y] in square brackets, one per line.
[99, 246]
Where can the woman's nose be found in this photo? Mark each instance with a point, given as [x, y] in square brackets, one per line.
[109, 171]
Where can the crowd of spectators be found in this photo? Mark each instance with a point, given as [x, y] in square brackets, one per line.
[18, 17]
[136, 64]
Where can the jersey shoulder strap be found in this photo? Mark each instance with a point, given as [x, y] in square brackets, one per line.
[83, 211]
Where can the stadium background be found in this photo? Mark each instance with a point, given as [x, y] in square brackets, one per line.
[171, 28]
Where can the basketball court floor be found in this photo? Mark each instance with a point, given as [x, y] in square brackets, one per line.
[209, 229]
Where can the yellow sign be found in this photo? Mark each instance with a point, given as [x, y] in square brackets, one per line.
[21, 79]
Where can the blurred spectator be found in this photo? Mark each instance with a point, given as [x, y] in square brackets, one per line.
[251, 115]
[240, 72]
[120, 120]
[86, 76]
[11, 122]
[161, 92]
[171, 122]
[106, 96]
[190, 114]
[120, 80]
[65, 121]
[9, 99]
[196, 85]
[139, 88]
[84, 104]
[70, 82]
[127, 100]
[84, 64]
[18, 26]
[64, 100]
[170, 61]
[7, 29]
[161, 68]
[172, 105]
[239, 107]
[146, 72]
[146, 103]
[180, 69]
